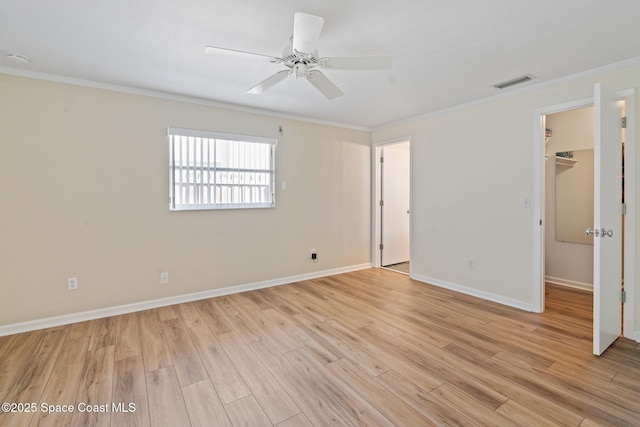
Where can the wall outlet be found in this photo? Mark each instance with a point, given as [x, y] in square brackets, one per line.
[164, 278]
[471, 264]
[314, 254]
[72, 283]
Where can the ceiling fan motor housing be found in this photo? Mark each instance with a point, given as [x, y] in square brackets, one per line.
[299, 62]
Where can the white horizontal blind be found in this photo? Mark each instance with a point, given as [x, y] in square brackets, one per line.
[220, 171]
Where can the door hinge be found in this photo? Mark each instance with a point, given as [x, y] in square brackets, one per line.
[623, 296]
[623, 209]
[381, 246]
[381, 159]
[624, 122]
[381, 202]
[540, 222]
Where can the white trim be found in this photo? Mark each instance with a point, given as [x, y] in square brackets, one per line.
[569, 283]
[375, 206]
[525, 89]
[169, 96]
[194, 152]
[221, 135]
[475, 293]
[539, 193]
[629, 273]
[193, 100]
[375, 197]
[65, 319]
[537, 297]
[630, 196]
[392, 141]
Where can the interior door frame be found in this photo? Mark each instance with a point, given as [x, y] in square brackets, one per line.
[538, 285]
[376, 187]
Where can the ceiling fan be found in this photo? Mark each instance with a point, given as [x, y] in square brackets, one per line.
[301, 59]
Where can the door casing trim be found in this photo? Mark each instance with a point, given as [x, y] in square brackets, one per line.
[538, 285]
[375, 198]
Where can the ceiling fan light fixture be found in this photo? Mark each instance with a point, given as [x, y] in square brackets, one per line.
[300, 70]
[514, 81]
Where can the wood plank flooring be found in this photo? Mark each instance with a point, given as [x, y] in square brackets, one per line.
[365, 348]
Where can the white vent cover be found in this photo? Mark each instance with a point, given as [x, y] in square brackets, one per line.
[513, 82]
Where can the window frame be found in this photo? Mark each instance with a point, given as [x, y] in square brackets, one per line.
[213, 168]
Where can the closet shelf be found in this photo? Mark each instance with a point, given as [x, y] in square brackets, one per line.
[565, 161]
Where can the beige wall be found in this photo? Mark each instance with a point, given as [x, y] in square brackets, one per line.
[84, 188]
[474, 167]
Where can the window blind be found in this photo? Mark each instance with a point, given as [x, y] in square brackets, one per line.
[210, 170]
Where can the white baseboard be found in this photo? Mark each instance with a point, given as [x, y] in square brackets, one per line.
[66, 319]
[476, 293]
[569, 283]
[498, 298]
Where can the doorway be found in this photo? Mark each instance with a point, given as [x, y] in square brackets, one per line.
[569, 169]
[392, 205]
[626, 234]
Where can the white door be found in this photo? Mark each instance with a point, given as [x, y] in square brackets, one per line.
[395, 204]
[607, 242]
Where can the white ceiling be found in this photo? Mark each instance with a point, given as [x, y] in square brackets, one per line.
[444, 53]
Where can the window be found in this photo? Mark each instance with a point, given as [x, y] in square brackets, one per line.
[220, 171]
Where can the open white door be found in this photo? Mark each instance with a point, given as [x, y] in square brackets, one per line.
[395, 222]
[607, 242]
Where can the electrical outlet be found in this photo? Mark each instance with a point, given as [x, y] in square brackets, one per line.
[314, 254]
[471, 264]
[72, 283]
[164, 278]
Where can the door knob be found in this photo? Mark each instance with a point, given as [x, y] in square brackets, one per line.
[599, 233]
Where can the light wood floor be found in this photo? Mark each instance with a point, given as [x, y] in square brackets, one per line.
[402, 267]
[364, 348]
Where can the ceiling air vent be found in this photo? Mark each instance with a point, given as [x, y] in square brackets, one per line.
[513, 82]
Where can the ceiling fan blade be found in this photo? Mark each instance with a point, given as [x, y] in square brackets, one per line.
[269, 82]
[306, 31]
[358, 63]
[324, 85]
[215, 50]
